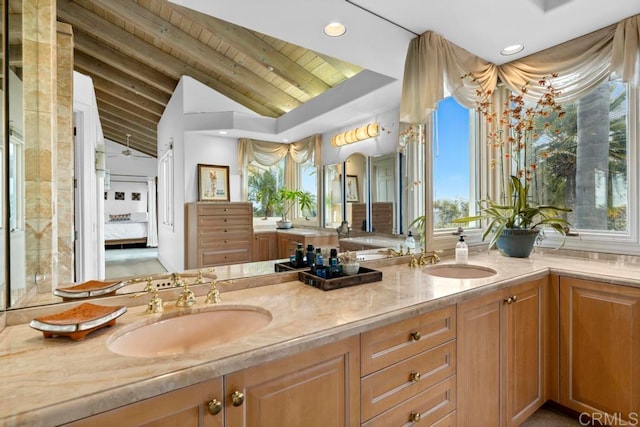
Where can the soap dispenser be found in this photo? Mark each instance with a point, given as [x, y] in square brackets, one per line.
[462, 251]
[410, 243]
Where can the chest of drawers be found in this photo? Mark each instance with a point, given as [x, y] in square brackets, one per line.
[218, 234]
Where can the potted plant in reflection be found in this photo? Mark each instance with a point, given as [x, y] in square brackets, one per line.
[514, 222]
[287, 199]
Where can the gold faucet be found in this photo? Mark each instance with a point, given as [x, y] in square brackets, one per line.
[186, 298]
[213, 296]
[392, 252]
[200, 280]
[413, 262]
[431, 258]
[155, 303]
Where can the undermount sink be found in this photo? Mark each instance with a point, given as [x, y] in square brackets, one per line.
[370, 257]
[185, 333]
[460, 271]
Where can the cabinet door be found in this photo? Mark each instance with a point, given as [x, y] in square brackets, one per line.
[524, 354]
[479, 340]
[316, 388]
[600, 348]
[501, 356]
[264, 246]
[193, 406]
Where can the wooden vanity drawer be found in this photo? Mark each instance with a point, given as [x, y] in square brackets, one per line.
[226, 242]
[397, 383]
[389, 344]
[431, 405]
[221, 222]
[222, 257]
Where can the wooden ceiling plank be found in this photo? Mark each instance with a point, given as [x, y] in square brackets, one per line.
[128, 117]
[173, 36]
[118, 124]
[106, 114]
[117, 135]
[127, 95]
[258, 49]
[123, 105]
[130, 45]
[92, 47]
[349, 70]
[136, 138]
[113, 75]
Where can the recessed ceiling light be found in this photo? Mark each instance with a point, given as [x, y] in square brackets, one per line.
[334, 29]
[512, 50]
[223, 132]
[285, 140]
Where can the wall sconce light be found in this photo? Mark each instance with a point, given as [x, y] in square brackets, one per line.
[101, 160]
[354, 135]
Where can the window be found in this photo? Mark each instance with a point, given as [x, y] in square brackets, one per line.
[166, 183]
[585, 165]
[16, 182]
[263, 184]
[453, 164]
[308, 181]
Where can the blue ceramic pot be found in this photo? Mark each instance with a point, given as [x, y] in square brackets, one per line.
[517, 242]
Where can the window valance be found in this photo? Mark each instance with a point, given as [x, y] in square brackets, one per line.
[582, 64]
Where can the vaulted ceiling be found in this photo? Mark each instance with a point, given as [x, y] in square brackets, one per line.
[135, 51]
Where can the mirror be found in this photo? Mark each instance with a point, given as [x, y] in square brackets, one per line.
[38, 242]
[356, 193]
[384, 194]
[3, 195]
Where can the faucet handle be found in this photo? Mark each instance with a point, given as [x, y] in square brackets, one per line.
[155, 302]
[213, 296]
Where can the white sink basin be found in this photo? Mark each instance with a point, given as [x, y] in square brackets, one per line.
[370, 257]
[184, 333]
[460, 271]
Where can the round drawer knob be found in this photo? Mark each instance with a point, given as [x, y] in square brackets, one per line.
[215, 406]
[226, 220]
[415, 336]
[414, 376]
[508, 300]
[414, 417]
[237, 398]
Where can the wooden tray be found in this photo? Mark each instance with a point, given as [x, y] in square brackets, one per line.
[78, 321]
[91, 288]
[287, 266]
[365, 275]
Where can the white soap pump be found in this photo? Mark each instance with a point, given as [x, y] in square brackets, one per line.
[462, 251]
[410, 243]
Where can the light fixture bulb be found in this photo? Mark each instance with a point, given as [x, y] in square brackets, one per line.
[334, 29]
[223, 132]
[512, 50]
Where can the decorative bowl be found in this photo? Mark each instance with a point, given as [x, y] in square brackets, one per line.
[351, 268]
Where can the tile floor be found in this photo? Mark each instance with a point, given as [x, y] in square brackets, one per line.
[120, 263]
[550, 417]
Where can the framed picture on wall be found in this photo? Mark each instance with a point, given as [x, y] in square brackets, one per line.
[213, 183]
[352, 188]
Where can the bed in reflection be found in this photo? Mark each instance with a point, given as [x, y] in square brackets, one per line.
[128, 228]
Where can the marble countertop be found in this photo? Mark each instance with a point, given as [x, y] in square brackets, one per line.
[56, 380]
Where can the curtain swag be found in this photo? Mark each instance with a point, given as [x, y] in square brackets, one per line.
[582, 64]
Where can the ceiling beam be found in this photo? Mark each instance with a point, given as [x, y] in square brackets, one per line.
[347, 69]
[131, 45]
[247, 42]
[127, 95]
[121, 104]
[127, 125]
[93, 48]
[169, 34]
[124, 116]
[136, 141]
[113, 75]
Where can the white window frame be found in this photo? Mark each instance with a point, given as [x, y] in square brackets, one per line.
[297, 217]
[17, 145]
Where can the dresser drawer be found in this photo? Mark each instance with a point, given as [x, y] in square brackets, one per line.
[222, 222]
[430, 406]
[389, 344]
[399, 382]
[234, 209]
[225, 240]
[221, 257]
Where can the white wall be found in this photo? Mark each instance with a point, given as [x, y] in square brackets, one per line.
[90, 247]
[210, 150]
[171, 132]
[128, 205]
[384, 143]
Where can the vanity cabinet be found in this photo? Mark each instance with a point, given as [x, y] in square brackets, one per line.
[501, 368]
[600, 348]
[287, 241]
[316, 388]
[264, 246]
[408, 370]
[199, 405]
[218, 233]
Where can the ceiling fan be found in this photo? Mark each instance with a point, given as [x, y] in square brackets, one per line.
[127, 151]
